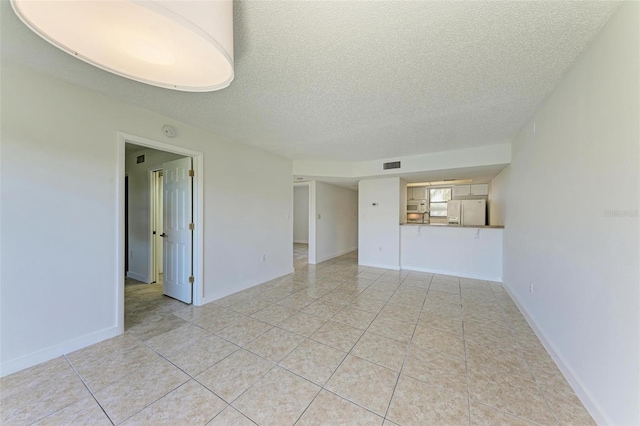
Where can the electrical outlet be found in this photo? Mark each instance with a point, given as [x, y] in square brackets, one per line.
[531, 287]
[264, 257]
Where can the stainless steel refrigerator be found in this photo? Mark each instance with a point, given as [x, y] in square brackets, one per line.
[467, 212]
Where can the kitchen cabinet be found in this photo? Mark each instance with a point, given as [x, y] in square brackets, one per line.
[469, 190]
[461, 190]
[417, 193]
[480, 189]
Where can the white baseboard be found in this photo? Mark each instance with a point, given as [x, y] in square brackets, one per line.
[379, 265]
[137, 277]
[246, 285]
[334, 255]
[453, 273]
[47, 354]
[300, 241]
[585, 396]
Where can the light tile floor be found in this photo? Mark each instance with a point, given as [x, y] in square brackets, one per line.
[331, 344]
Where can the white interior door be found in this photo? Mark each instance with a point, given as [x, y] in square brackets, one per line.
[177, 235]
[156, 217]
[159, 225]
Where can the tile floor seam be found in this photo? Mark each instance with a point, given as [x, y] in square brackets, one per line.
[407, 349]
[466, 368]
[510, 414]
[88, 389]
[277, 363]
[302, 377]
[260, 378]
[249, 387]
[341, 362]
[172, 363]
[198, 381]
[520, 350]
[354, 403]
[235, 409]
[531, 370]
[220, 396]
[354, 345]
[307, 407]
[151, 403]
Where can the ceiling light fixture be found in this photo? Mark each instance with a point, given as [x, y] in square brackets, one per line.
[184, 45]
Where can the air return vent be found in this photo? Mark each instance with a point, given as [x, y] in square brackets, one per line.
[391, 165]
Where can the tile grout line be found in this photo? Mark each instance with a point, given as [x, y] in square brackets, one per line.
[342, 361]
[520, 348]
[466, 361]
[350, 350]
[407, 350]
[87, 387]
[275, 364]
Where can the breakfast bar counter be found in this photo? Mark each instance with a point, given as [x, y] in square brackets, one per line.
[464, 251]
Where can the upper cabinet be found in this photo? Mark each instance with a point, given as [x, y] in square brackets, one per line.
[467, 190]
[480, 189]
[417, 193]
[461, 191]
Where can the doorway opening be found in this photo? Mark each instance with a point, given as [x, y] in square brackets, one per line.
[301, 224]
[160, 242]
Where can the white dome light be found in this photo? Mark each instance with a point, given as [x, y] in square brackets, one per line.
[183, 45]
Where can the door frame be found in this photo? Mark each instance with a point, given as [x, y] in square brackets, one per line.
[198, 210]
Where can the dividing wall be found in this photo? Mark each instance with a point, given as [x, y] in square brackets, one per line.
[61, 169]
[379, 206]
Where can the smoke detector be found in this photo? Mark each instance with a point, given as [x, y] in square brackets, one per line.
[169, 131]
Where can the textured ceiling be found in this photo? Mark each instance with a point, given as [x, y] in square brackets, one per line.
[362, 80]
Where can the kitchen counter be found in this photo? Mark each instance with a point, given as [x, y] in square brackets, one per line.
[463, 251]
[446, 225]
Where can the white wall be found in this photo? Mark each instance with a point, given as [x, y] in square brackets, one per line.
[378, 230]
[472, 157]
[463, 252]
[336, 218]
[140, 209]
[497, 199]
[59, 217]
[403, 201]
[301, 214]
[575, 159]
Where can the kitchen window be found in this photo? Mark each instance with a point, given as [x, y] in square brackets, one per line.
[438, 198]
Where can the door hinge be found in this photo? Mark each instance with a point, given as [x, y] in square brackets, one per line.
[192, 173]
[191, 279]
[191, 226]
[160, 173]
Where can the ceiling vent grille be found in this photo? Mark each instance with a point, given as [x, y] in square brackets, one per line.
[391, 165]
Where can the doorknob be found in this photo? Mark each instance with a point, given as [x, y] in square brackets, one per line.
[163, 235]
